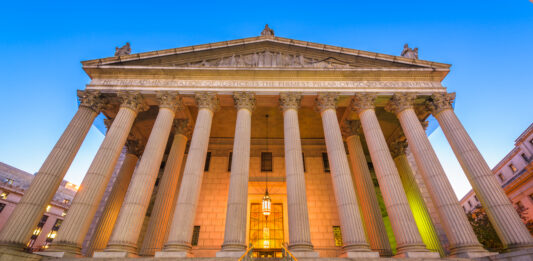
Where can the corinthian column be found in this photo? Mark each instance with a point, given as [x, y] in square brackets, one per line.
[123, 241]
[160, 218]
[299, 234]
[353, 234]
[85, 203]
[503, 216]
[409, 242]
[179, 237]
[235, 231]
[415, 198]
[463, 241]
[19, 226]
[116, 197]
[373, 221]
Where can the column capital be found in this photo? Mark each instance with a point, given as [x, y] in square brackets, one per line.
[244, 100]
[181, 126]
[327, 100]
[363, 101]
[351, 128]
[132, 100]
[400, 102]
[440, 101]
[290, 100]
[134, 145]
[397, 147]
[170, 100]
[207, 100]
[92, 100]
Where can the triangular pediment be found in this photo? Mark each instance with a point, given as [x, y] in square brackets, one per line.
[265, 52]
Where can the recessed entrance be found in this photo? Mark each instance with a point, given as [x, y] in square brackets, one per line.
[266, 234]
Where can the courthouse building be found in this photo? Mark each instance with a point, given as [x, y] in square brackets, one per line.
[263, 144]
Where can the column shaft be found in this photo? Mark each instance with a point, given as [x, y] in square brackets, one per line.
[235, 229]
[375, 228]
[130, 219]
[179, 237]
[160, 219]
[501, 212]
[463, 241]
[110, 213]
[403, 224]
[353, 233]
[299, 234]
[18, 228]
[85, 203]
[418, 207]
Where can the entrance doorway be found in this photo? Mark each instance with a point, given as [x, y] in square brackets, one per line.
[266, 234]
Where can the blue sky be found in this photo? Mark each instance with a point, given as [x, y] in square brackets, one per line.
[489, 44]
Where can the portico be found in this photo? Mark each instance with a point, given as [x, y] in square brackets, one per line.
[199, 113]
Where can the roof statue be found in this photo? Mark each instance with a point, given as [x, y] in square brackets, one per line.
[407, 52]
[124, 50]
[267, 31]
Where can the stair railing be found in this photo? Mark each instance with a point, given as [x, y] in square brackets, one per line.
[247, 256]
[286, 254]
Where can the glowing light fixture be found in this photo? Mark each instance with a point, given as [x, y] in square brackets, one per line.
[266, 207]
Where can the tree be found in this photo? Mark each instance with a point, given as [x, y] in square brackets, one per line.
[484, 230]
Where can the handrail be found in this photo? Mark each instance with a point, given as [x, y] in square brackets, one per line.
[248, 254]
[286, 250]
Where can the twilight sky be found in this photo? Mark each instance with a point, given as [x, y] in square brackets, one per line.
[488, 43]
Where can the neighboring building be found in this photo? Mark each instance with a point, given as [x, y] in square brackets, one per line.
[514, 172]
[270, 142]
[13, 183]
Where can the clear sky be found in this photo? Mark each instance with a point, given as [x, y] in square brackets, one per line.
[489, 44]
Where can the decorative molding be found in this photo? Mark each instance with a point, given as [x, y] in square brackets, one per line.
[327, 100]
[108, 123]
[170, 100]
[244, 100]
[363, 101]
[400, 102]
[182, 126]
[134, 145]
[91, 99]
[351, 128]
[290, 100]
[132, 100]
[207, 100]
[247, 85]
[439, 102]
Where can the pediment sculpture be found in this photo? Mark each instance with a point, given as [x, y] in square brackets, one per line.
[407, 52]
[124, 50]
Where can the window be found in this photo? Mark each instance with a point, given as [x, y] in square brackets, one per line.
[64, 213]
[2, 206]
[337, 235]
[500, 176]
[303, 161]
[526, 159]
[266, 161]
[475, 197]
[469, 203]
[195, 235]
[512, 167]
[464, 209]
[519, 204]
[50, 237]
[3, 195]
[207, 161]
[325, 161]
[230, 158]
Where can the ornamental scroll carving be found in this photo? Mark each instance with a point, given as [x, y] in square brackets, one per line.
[400, 102]
[397, 148]
[351, 128]
[439, 102]
[244, 100]
[132, 100]
[290, 100]
[182, 127]
[325, 101]
[134, 145]
[363, 101]
[207, 100]
[92, 100]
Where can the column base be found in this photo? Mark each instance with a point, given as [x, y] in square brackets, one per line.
[236, 254]
[9, 254]
[470, 252]
[60, 250]
[354, 254]
[173, 254]
[56, 254]
[119, 254]
[304, 254]
[426, 254]
[518, 255]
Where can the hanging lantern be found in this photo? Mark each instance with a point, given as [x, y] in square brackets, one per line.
[267, 205]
